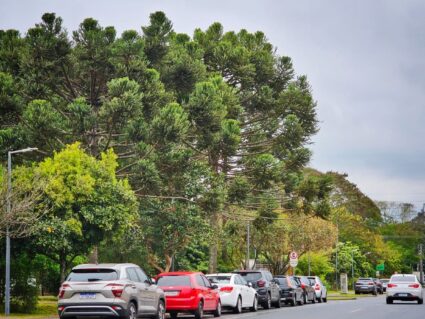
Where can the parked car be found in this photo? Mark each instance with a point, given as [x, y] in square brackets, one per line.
[267, 288]
[365, 285]
[404, 287]
[319, 288]
[110, 290]
[290, 292]
[191, 292]
[384, 283]
[379, 286]
[309, 293]
[235, 292]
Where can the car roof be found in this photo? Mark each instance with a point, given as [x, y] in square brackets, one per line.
[180, 273]
[106, 265]
[221, 274]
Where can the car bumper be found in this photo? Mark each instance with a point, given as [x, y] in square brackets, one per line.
[181, 304]
[404, 295]
[228, 300]
[93, 309]
[367, 290]
[262, 295]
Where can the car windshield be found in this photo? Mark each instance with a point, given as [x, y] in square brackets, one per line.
[173, 281]
[219, 279]
[403, 278]
[251, 276]
[88, 275]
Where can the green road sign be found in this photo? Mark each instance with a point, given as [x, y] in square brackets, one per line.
[380, 267]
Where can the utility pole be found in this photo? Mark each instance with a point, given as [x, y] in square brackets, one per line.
[247, 246]
[352, 268]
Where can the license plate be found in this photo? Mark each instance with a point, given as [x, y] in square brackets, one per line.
[365, 287]
[402, 295]
[171, 293]
[87, 295]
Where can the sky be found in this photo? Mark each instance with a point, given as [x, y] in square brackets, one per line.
[365, 61]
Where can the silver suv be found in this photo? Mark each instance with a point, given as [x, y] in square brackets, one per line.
[110, 290]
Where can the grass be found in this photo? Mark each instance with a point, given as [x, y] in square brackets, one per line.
[337, 295]
[46, 308]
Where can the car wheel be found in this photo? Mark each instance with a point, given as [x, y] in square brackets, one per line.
[217, 311]
[131, 311]
[238, 307]
[160, 314]
[320, 300]
[173, 315]
[420, 301]
[254, 305]
[325, 299]
[268, 303]
[314, 298]
[356, 292]
[389, 301]
[199, 313]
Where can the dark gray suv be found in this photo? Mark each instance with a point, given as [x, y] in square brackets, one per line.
[110, 290]
[267, 288]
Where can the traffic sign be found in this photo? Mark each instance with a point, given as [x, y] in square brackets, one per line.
[380, 267]
[293, 255]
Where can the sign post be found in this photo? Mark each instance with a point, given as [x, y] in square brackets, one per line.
[293, 260]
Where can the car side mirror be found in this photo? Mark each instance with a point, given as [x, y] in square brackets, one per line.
[249, 284]
[153, 281]
[214, 287]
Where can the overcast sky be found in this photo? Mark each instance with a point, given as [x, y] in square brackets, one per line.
[365, 60]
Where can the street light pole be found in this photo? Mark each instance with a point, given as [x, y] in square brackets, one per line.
[352, 268]
[8, 211]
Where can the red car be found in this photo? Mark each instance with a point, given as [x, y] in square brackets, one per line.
[187, 291]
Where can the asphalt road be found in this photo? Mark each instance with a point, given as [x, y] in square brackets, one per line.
[362, 308]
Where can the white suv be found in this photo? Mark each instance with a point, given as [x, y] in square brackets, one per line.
[404, 287]
[110, 290]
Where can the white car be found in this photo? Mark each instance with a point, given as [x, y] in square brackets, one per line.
[319, 288]
[235, 292]
[404, 287]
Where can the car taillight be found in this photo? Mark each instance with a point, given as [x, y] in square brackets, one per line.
[62, 290]
[60, 308]
[303, 286]
[317, 287]
[116, 289]
[261, 283]
[371, 284]
[414, 286]
[391, 285]
[226, 289]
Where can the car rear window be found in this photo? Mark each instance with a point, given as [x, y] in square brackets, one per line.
[219, 279]
[98, 274]
[173, 281]
[365, 279]
[283, 282]
[403, 278]
[251, 276]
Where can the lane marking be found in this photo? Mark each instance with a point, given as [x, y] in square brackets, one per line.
[356, 310]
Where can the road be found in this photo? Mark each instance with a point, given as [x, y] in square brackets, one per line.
[364, 308]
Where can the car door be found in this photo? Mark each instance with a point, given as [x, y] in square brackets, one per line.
[150, 291]
[142, 295]
[246, 292]
[210, 298]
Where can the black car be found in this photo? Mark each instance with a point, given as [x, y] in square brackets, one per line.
[267, 288]
[365, 285]
[305, 284]
[290, 292]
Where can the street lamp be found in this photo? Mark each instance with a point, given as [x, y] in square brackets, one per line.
[8, 196]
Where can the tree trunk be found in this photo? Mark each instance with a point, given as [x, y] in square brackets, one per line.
[94, 255]
[62, 269]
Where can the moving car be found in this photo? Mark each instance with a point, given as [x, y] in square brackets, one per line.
[290, 292]
[110, 290]
[309, 293]
[365, 285]
[404, 287]
[191, 292]
[235, 292]
[267, 288]
[319, 288]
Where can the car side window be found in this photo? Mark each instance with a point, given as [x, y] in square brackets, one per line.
[242, 280]
[269, 276]
[199, 281]
[237, 280]
[142, 275]
[207, 283]
[132, 275]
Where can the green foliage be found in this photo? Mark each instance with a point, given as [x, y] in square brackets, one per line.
[320, 264]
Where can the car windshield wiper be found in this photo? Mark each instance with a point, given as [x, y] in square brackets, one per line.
[94, 279]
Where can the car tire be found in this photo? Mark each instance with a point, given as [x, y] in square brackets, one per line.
[131, 311]
[277, 304]
[293, 302]
[217, 311]
[199, 313]
[238, 307]
[160, 312]
[314, 298]
[268, 303]
[325, 299]
[389, 301]
[254, 307]
[356, 292]
[320, 299]
[301, 301]
[420, 301]
[173, 315]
